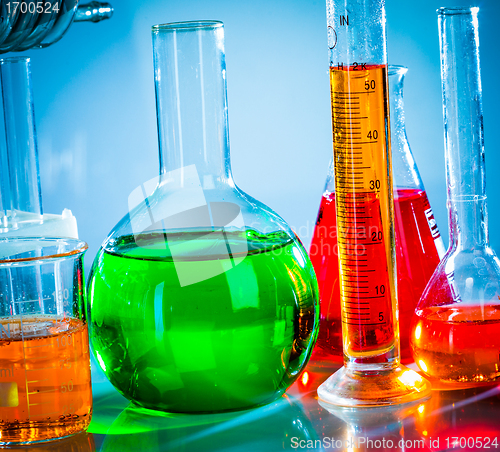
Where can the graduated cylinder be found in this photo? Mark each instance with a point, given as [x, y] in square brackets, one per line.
[372, 374]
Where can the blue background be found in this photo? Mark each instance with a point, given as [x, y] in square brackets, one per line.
[95, 108]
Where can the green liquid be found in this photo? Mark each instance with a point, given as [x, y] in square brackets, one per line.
[235, 340]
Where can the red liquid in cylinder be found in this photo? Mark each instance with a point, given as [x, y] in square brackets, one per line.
[416, 260]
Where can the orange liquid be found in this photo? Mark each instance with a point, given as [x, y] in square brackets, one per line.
[45, 388]
[364, 209]
[459, 344]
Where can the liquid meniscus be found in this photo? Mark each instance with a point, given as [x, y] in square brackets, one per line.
[234, 340]
[45, 387]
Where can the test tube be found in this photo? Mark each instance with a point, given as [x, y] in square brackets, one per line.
[23, 185]
[5, 204]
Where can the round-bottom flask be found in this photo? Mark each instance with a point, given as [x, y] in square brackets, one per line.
[455, 328]
[419, 245]
[201, 299]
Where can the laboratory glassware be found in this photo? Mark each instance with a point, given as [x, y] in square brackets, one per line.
[21, 212]
[20, 133]
[202, 299]
[45, 387]
[6, 21]
[419, 245]
[372, 374]
[31, 24]
[25, 20]
[455, 329]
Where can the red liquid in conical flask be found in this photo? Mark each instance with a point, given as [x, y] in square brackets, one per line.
[416, 260]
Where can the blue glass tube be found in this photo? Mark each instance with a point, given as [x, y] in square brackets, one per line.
[21, 182]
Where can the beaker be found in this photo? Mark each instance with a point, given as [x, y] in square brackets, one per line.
[372, 374]
[455, 329]
[45, 388]
[202, 299]
[419, 245]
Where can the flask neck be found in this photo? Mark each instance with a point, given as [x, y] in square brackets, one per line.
[191, 102]
[397, 115]
[404, 168]
[463, 127]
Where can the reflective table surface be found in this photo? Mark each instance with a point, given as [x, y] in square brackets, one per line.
[452, 419]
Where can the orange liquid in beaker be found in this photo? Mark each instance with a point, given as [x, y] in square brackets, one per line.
[458, 344]
[45, 388]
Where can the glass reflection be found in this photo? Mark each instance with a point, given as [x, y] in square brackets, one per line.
[83, 442]
[272, 427]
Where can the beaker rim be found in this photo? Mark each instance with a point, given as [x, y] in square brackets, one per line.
[25, 245]
[193, 24]
[456, 10]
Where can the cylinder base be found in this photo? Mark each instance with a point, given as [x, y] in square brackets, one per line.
[397, 385]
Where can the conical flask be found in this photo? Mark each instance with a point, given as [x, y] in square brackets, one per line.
[455, 330]
[202, 299]
[419, 245]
